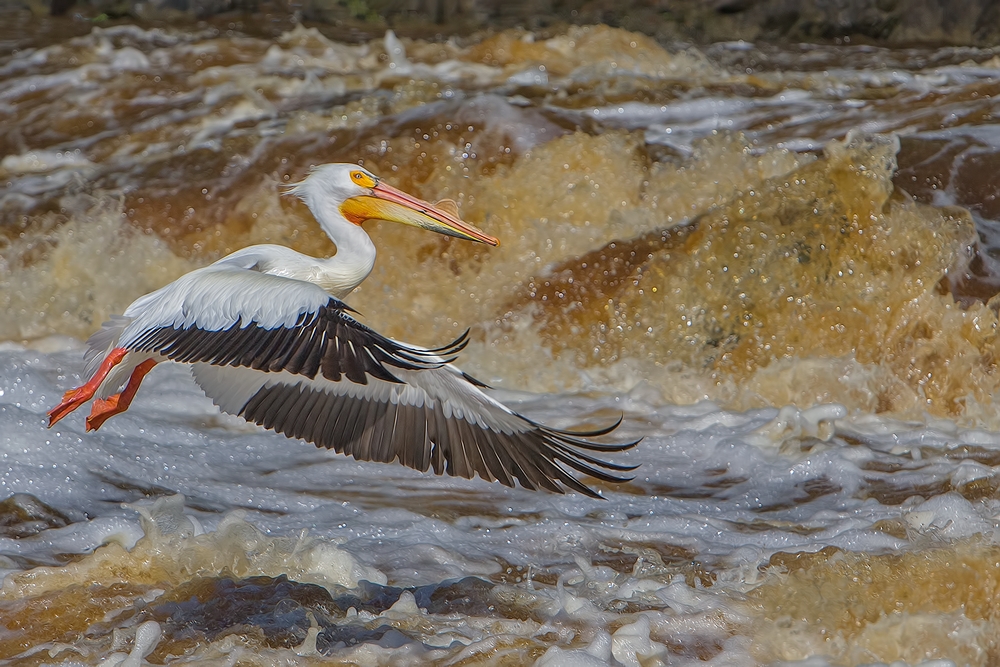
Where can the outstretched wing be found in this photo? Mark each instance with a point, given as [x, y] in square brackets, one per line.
[230, 316]
[284, 354]
[433, 417]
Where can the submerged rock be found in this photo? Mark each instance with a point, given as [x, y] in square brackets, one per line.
[279, 612]
[275, 607]
[23, 515]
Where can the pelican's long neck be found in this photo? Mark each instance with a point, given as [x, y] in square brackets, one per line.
[355, 256]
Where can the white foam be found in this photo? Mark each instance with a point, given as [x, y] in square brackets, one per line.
[948, 516]
[38, 161]
[597, 654]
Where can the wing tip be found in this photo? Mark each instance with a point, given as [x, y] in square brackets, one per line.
[551, 459]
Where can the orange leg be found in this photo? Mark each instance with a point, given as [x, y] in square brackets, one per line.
[105, 408]
[74, 398]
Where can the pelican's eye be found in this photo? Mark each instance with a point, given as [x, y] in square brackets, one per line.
[361, 178]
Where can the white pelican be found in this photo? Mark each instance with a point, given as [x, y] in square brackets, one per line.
[270, 340]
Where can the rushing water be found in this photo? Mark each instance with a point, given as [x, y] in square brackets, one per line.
[778, 263]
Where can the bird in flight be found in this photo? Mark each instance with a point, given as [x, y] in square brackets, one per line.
[269, 339]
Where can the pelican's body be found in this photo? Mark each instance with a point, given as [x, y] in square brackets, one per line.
[270, 340]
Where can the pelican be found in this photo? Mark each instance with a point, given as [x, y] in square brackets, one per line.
[269, 339]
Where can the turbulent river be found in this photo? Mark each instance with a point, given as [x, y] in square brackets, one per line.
[778, 264]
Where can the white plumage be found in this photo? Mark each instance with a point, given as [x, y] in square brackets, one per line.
[269, 339]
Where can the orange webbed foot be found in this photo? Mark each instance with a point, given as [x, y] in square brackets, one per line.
[71, 400]
[74, 398]
[105, 408]
[102, 410]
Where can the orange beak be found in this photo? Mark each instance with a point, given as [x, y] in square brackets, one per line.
[388, 203]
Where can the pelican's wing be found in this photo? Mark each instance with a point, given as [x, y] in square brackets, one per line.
[435, 416]
[284, 354]
[230, 316]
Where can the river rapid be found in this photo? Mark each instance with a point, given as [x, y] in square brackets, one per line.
[779, 264]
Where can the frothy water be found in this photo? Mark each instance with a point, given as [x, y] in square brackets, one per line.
[756, 255]
[681, 563]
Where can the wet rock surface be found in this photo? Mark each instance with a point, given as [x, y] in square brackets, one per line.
[273, 606]
[279, 612]
[23, 515]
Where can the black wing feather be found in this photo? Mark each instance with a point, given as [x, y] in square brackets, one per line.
[422, 437]
[328, 341]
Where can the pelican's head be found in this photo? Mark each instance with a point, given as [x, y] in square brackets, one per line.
[360, 195]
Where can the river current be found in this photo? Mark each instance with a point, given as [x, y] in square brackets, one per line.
[779, 264]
